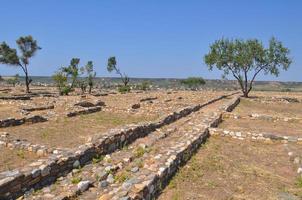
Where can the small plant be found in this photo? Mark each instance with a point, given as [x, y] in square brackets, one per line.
[20, 154]
[121, 177]
[299, 182]
[76, 180]
[124, 89]
[139, 152]
[145, 85]
[97, 159]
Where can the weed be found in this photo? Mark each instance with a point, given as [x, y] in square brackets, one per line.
[20, 153]
[76, 180]
[299, 182]
[97, 159]
[121, 177]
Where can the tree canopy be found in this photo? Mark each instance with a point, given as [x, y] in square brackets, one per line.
[28, 48]
[111, 66]
[245, 59]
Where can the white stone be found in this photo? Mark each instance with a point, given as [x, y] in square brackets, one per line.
[83, 185]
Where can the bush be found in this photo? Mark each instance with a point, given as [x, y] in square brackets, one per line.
[145, 85]
[193, 82]
[124, 89]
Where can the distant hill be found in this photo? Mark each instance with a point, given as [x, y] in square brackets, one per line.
[175, 83]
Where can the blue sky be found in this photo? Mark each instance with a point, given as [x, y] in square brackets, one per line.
[150, 38]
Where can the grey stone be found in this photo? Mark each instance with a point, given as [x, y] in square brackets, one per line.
[83, 185]
[134, 169]
[103, 183]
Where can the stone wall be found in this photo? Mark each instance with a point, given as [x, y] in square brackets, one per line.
[15, 98]
[16, 122]
[46, 171]
[84, 111]
[9, 142]
[241, 135]
[30, 109]
[149, 189]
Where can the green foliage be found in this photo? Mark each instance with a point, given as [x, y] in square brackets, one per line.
[124, 89]
[28, 48]
[72, 70]
[60, 78]
[14, 80]
[145, 85]
[97, 159]
[242, 58]
[193, 82]
[111, 66]
[299, 182]
[76, 180]
[89, 79]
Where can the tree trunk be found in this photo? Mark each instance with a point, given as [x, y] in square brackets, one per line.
[90, 88]
[27, 82]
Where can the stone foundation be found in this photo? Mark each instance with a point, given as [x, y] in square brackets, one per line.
[84, 111]
[30, 109]
[241, 135]
[16, 122]
[46, 171]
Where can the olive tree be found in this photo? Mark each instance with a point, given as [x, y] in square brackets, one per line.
[245, 59]
[28, 48]
[91, 74]
[111, 66]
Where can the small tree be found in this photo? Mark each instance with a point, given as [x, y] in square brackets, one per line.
[72, 70]
[111, 66]
[28, 47]
[193, 82]
[91, 74]
[60, 78]
[242, 58]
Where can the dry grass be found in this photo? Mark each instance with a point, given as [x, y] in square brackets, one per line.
[230, 169]
[11, 159]
[69, 132]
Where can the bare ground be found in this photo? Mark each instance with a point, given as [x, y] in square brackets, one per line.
[231, 169]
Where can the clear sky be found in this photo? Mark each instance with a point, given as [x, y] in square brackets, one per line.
[150, 38]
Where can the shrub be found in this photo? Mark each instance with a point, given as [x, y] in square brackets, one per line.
[193, 82]
[124, 89]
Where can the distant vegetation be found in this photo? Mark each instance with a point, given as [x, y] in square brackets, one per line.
[73, 71]
[28, 47]
[242, 58]
[193, 82]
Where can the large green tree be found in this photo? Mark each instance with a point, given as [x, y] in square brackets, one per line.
[111, 66]
[245, 59]
[28, 48]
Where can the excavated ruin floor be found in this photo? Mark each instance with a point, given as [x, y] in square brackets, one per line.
[120, 173]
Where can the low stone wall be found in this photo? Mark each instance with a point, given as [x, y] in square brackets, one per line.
[241, 135]
[16, 122]
[15, 98]
[148, 99]
[262, 117]
[84, 111]
[150, 188]
[30, 109]
[9, 142]
[46, 171]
